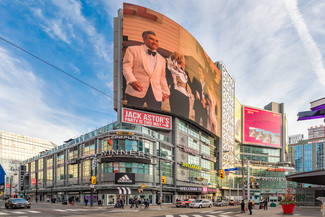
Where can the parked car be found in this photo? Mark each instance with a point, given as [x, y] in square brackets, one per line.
[184, 203]
[221, 203]
[231, 203]
[201, 203]
[17, 203]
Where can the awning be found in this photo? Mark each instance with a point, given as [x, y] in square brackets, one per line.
[123, 190]
[312, 177]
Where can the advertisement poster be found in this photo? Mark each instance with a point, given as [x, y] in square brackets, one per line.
[146, 119]
[166, 70]
[262, 127]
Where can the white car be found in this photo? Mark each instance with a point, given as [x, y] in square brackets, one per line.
[201, 203]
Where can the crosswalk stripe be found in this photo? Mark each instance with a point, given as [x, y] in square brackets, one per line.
[228, 212]
[18, 212]
[197, 216]
[3, 213]
[215, 212]
[169, 215]
[210, 216]
[183, 215]
[59, 210]
[205, 211]
[33, 211]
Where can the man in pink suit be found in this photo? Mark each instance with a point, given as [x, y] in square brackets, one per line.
[144, 70]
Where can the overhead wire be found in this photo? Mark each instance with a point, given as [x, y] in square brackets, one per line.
[61, 70]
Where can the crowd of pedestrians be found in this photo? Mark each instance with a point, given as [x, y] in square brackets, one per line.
[251, 205]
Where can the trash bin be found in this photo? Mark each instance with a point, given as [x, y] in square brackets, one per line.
[64, 202]
[272, 204]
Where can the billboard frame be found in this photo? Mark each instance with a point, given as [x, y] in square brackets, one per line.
[257, 144]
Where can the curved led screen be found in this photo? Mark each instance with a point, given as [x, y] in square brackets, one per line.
[166, 70]
[262, 127]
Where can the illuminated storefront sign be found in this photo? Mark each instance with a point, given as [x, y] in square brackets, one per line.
[191, 151]
[191, 166]
[146, 118]
[125, 153]
[276, 169]
[123, 137]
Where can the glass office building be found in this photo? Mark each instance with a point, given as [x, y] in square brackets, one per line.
[15, 148]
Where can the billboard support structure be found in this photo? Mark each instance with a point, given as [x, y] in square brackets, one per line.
[119, 53]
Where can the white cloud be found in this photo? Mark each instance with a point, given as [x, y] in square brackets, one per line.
[314, 54]
[23, 109]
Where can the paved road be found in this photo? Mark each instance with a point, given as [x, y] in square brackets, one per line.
[51, 210]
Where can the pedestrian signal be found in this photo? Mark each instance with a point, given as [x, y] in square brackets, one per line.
[93, 180]
[222, 174]
[251, 179]
[163, 179]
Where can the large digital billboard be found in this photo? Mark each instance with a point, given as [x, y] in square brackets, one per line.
[165, 69]
[261, 127]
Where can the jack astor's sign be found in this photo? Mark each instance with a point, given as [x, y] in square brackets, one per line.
[125, 153]
[146, 119]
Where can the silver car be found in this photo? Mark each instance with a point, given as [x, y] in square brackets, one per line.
[201, 203]
[221, 203]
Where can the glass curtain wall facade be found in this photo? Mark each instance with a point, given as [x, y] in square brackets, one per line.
[15, 148]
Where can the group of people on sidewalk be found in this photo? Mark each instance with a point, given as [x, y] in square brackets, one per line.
[138, 202]
[251, 206]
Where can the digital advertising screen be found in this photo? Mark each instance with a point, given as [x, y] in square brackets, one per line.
[165, 70]
[261, 127]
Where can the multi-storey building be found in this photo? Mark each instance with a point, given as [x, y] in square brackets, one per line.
[124, 158]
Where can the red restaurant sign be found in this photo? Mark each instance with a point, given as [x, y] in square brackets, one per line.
[146, 118]
[33, 181]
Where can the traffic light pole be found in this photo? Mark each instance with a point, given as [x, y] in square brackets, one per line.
[248, 180]
[242, 172]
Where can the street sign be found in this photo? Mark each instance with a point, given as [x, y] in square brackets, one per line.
[143, 186]
[231, 169]
[92, 186]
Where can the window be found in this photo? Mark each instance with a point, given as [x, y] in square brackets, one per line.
[308, 157]
[193, 132]
[320, 156]
[205, 150]
[192, 143]
[194, 160]
[86, 168]
[73, 153]
[182, 126]
[205, 164]
[298, 158]
[73, 171]
[60, 173]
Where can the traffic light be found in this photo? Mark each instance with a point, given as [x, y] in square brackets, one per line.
[140, 190]
[251, 179]
[251, 185]
[93, 180]
[222, 174]
[163, 179]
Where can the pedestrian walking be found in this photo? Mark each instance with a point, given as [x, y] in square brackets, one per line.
[242, 206]
[265, 204]
[250, 207]
[99, 202]
[86, 201]
[122, 204]
[132, 203]
[136, 203]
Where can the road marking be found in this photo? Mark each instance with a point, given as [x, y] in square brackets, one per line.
[169, 215]
[228, 212]
[59, 210]
[33, 211]
[3, 213]
[183, 215]
[197, 216]
[215, 212]
[205, 211]
[18, 212]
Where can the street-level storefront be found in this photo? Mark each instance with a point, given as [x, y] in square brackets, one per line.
[193, 192]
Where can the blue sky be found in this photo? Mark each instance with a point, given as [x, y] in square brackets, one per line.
[273, 49]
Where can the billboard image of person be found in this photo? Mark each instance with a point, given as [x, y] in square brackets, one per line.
[166, 70]
[261, 127]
